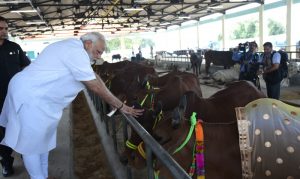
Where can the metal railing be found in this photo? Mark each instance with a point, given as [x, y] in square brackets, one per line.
[294, 56]
[184, 59]
[150, 144]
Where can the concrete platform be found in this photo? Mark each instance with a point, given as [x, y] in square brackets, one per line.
[60, 159]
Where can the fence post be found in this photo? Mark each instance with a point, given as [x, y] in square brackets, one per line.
[149, 158]
[114, 135]
[125, 135]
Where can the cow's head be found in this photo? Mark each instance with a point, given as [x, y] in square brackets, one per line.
[131, 155]
[179, 111]
[186, 106]
[145, 81]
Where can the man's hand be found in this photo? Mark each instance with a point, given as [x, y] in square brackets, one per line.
[131, 111]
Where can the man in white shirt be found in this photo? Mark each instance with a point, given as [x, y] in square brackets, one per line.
[37, 96]
[271, 73]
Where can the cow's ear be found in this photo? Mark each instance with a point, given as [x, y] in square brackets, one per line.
[144, 82]
[182, 103]
[176, 118]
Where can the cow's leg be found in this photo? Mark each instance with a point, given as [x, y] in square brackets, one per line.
[207, 64]
[200, 66]
[193, 68]
[196, 69]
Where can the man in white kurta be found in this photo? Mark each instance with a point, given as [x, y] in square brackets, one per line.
[37, 96]
[40, 92]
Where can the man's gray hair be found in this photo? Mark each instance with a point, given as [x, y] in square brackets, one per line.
[93, 36]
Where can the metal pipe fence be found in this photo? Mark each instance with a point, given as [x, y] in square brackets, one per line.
[293, 57]
[177, 59]
[152, 147]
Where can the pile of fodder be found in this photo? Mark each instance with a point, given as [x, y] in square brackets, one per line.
[89, 157]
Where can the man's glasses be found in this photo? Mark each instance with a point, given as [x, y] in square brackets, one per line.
[3, 28]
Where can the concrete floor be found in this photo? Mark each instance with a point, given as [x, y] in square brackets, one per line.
[60, 159]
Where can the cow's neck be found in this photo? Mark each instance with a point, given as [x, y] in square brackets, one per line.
[202, 109]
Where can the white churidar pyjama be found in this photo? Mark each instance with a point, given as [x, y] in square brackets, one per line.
[37, 165]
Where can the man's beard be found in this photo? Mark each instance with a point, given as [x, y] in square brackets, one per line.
[4, 37]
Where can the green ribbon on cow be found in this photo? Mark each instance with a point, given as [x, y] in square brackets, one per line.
[193, 123]
[157, 119]
[148, 87]
[142, 103]
[131, 145]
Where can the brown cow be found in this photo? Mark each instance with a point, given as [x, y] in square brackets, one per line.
[129, 79]
[126, 69]
[221, 58]
[132, 84]
[113, 68]
[222, 154]
[221, 149]
[224, 102]
[109, 68]
[162, 80]
[169, 95]
[119, 77]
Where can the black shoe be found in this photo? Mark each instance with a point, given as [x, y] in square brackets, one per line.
[7, 167]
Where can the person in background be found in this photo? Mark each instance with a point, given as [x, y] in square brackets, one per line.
[249, 62]
[196, 60]
[12, 60]
[37, 96]
[271, 73]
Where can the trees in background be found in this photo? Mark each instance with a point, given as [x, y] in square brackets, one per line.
[129, 43]
[245, 30]
[113, 44]
[249, 29]
[275, 27]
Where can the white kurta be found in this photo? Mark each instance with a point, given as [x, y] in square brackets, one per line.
[37, 96]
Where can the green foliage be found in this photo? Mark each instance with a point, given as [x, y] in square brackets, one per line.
[128, 43]
[137, 41]
[275, 27]
[247, 29]
[147, 42]
[113, 44]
